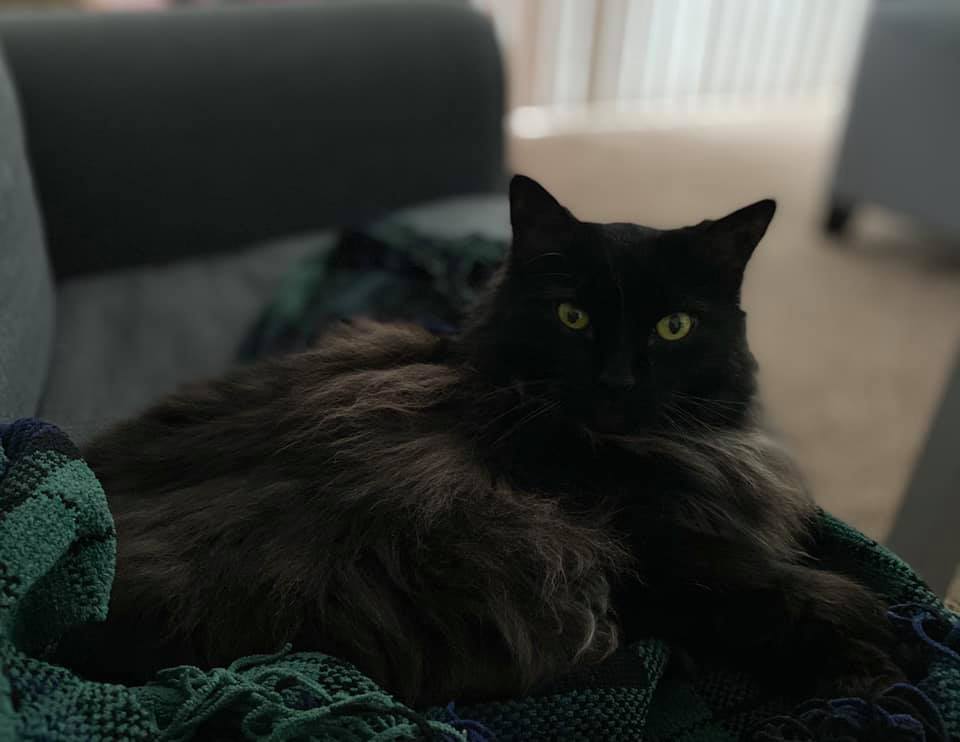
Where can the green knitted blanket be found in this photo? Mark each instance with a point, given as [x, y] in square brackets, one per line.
[57, 547]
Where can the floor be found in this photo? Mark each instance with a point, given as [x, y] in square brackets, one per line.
[854, 339]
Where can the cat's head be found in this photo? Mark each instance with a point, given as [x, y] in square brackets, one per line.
[626, 327]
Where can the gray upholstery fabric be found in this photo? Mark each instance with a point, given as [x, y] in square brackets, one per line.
[26, 293]
[156, 136]
[126, 338]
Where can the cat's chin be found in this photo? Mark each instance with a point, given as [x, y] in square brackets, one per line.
[618, 419]
[610, 421]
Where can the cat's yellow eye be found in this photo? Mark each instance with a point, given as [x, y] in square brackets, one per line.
[573, 317]
[675, 326]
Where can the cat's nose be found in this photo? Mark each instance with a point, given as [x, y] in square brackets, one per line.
[618, 382]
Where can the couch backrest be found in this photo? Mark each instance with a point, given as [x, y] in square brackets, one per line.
[155, 136]
[26, 290]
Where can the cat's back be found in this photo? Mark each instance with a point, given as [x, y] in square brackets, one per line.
[336, 499]
[285, 417]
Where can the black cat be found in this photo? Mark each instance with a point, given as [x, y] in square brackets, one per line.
[465, 518]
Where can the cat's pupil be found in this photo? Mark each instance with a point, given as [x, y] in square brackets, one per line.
[573, 315]
[675, 324]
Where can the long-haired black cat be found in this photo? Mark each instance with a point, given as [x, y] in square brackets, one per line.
[466, 518]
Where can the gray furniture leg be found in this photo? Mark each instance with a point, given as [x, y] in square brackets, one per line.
[838, 218]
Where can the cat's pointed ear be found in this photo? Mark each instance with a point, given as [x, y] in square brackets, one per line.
[734, 237]
[531, 205]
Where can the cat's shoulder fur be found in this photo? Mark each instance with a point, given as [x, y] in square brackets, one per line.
[330, 499]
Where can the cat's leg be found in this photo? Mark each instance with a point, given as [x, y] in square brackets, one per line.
[819, 626]
[798, 625]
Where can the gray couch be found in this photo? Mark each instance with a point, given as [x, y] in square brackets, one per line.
[159, 173]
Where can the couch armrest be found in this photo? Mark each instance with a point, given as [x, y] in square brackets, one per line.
[156, 136]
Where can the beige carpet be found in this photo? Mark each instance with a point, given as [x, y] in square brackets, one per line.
[854, 341]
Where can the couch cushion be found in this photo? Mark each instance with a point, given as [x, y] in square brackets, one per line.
[26, 290]
[126, 338]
